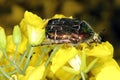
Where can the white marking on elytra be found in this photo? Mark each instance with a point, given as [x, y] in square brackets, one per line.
[55, 34]
[51, 27]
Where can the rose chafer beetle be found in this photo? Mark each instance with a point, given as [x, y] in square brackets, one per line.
[67, 30]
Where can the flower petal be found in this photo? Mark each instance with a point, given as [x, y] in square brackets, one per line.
[35, 35]
[34, 73]
[33, 19]
[61, 57]
[101, 50]
[110, 71]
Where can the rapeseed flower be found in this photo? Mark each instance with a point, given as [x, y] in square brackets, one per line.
[33, 61]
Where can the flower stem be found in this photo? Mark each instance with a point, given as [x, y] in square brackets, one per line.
[82, 75]
[28, 59]
[4, 73]
[15, 53]
[91, 65]
[75, 77]
[45, 50]
[23, 55]
[52, 54]
[12, 72]
[83, 60]
[12, 63]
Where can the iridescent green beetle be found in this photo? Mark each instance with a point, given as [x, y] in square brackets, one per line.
[67, 30]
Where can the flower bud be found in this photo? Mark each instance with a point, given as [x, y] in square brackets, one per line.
[35, 35]
[16, 35]
[2, 38]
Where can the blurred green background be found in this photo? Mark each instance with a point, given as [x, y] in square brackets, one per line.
[102, 15]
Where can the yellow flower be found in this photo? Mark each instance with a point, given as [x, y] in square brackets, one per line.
[35, 35]
[34, 26]
[101, 50]
[34, 73]
[61, 74]
[62, 56]
[110, 70]
[101, 69]
[67, 63]
[32, 20]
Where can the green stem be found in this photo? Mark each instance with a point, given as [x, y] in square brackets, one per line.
[52, 54]
[23, 55]
[12, 63]
[45, 50]
[6, 66]
[15, 53]
[83, 60]
[28, 59]
[4, 73]
[91, 65]
[12, 72]
[75, 77]
[82, 75]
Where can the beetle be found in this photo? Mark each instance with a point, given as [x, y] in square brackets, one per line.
[69, 30]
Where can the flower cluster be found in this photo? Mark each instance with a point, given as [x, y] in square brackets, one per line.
[21, 59]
